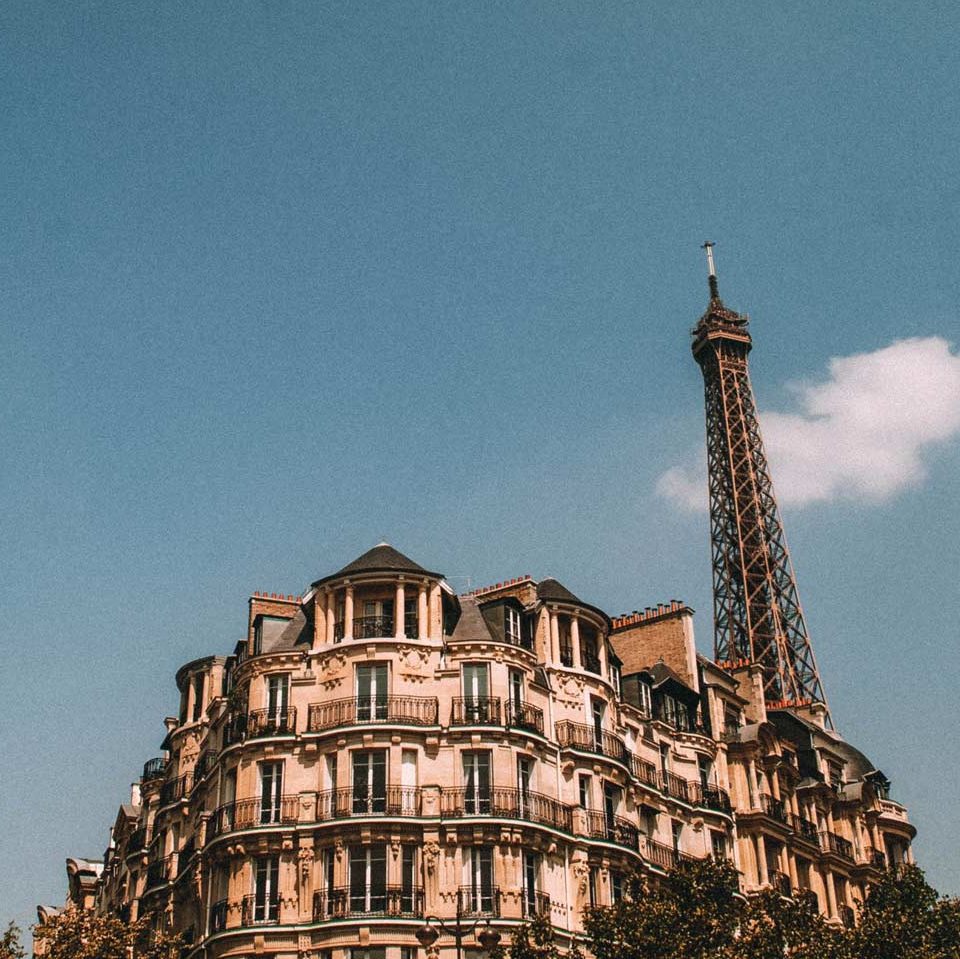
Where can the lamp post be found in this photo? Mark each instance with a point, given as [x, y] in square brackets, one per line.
[428, 934]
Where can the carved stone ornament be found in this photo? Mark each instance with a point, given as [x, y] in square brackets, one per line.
[338, 849]
[305, 855]
[431, 853]
[581, 872]
[395, 848]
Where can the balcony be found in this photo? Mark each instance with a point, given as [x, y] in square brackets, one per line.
[153, 769]
[137, 841]
[218, 916]
[175, 790]
[249, 813]
[204, 764]
[259, 911]
[158, 872]
[805, 829]
[535, 904]
[507, 803]
[675, 787]
[590, 661]
[271, 722]
[377, 627]
[644, 772]
[524, 716]
[566, 656]
[831, 842]
[475, 711]
[185, 856]
[780, 882]
[600, 825]
[874, 858]
[660, 855]
[710, 797]
[374, 901]
[775, 809]
[360, 710]
[847, 916]
[479, 900]
[589, 739]
[344, 803]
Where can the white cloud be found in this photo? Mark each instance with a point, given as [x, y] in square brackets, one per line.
[861, 434]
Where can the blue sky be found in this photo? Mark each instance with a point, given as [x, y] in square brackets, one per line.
[278, 281]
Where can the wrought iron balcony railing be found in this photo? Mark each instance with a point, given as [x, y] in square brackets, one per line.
[360, 710]
[673, 785]
[138, 840]
[600, 825]
[775, 809]
[481, 900]
[566, 656]
[660, 855]
[831, 842]
[644, 771]
[507, 803]
[373, 901]
[158, 872]
[524, 716]
[248, 813]
[218, 916]
[377, 627]
[347, 802]
[535, 904]
[806, 829]
[260, 910]
[271, 722]
[780, 881]
[847, 916]
[590, 661]
[875, 858]
[175, 790]
[476, 711]
[153, 768]
[710, 797]
[587, 738]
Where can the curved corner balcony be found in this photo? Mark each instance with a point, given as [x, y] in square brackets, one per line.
[598, 824]
[153, 769]
[588, 739]
[346, 803]
[373, 901]
[507, 803]
[376, 627]
[524, 716]
[271, 722]
[250, 813]
[476, 711]
[361, 710]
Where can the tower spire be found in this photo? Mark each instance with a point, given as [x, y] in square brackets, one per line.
[757, 614]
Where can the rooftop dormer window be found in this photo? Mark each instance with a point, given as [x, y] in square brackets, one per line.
[512, 625]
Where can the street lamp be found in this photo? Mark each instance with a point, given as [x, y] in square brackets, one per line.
[427, 934]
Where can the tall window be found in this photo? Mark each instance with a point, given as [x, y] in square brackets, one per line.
[611, 803]
[197, 697]
[411, 626]
[616, 680]
[645, 695]
[478, 892]
[588, 650]
[369, 781]
[531, 873]
[377, 619]
[676, 830]
[408, 879]
[597, 709]
[593, 878]
[278, 689]
[371, 692]
[704, 767]
[271, 791]
[616, 887]
[512, 625]
[664, 761]
[583, 785]
[718, 844]
[476, 693]
[266, 889]
[476, 782]
[368, 878]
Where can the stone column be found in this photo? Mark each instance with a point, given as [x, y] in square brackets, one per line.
[831, 893]
[575, 641]
[331, 608]
[762, 873]
[348, 614]
[399, 612]
[555, 636]
[422, 625]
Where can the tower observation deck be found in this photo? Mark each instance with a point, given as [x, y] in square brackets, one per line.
[757, 613]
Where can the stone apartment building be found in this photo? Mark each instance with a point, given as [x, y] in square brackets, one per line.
[382, 753]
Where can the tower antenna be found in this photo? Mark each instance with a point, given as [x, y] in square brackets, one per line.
[711, 270]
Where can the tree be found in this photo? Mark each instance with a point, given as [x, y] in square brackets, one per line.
[903, 917]
[536, 940]
[10, 946]
[75, 934]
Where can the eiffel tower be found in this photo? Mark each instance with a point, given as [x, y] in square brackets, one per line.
[756, 609]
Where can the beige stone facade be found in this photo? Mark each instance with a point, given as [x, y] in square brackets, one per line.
[381, 751]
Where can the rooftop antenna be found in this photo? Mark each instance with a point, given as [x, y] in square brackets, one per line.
[711, 270]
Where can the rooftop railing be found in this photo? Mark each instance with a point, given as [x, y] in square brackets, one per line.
[153, 768]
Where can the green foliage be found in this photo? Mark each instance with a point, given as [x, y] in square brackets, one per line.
[535, 940]
[10, 945]
[698, 913]
[82, 935]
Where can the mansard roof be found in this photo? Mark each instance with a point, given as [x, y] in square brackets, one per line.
[552, 590]
[383, 558]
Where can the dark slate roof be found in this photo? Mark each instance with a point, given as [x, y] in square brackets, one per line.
[382, 558]
[471, 626]
[552, 589]
[297, 632]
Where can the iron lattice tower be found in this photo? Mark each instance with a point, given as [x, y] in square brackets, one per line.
[756, 609]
